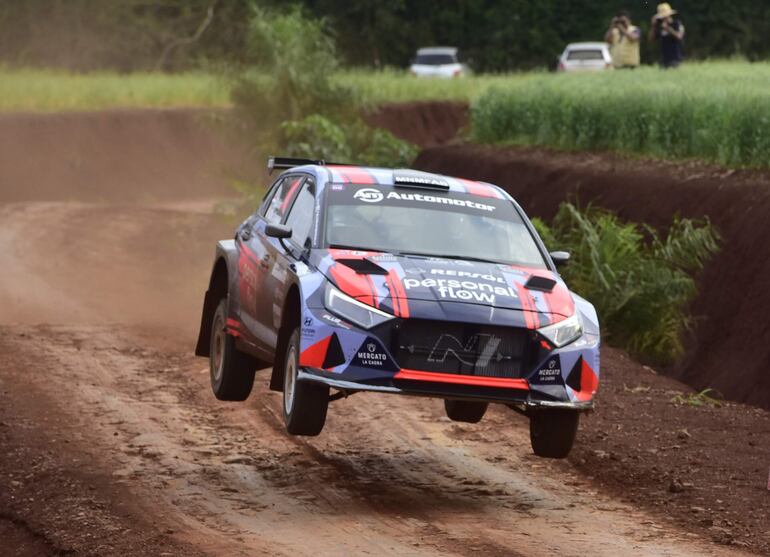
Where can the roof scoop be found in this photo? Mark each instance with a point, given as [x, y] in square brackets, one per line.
[363, 266]
[415, 179]
[542, 284]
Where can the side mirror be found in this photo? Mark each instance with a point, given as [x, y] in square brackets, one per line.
[560, 258]
[279, 231]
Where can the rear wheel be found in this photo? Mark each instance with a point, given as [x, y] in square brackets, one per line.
[304, 403]
[465, 411]
[232, 372]
[552, 432]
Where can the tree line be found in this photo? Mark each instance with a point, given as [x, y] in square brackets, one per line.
[494, 35]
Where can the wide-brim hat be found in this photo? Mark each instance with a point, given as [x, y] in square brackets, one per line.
[665, 10]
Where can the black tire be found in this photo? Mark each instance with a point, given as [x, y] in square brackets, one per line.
[304, 403]
[232, 372]
[465, 410]
[552, 432]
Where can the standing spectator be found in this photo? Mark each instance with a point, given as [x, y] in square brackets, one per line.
[623, 38]
[669, 31]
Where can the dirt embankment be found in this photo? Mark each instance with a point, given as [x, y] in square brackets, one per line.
[730, 350]
[424, 123]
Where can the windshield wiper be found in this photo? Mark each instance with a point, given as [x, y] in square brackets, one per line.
[442, 256]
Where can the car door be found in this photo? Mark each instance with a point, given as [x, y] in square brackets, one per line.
[254, 263]
[284, 253]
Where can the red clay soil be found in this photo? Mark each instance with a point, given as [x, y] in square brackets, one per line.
[424, 123]
[702, 467]
[730, 350]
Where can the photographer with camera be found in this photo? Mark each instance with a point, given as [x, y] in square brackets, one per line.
[623, 38]
[669, 31]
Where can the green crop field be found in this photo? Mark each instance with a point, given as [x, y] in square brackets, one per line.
[51, 91]
[717, 111]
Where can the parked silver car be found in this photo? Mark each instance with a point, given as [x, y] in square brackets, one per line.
[585, 57]
[437, 61]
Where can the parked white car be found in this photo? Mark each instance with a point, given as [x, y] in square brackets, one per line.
[437, 61]
[585, 57]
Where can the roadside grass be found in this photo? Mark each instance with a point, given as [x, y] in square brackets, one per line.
[640, 281]
[703, 398]
[392, 85]
[37, 90]
[713, 111]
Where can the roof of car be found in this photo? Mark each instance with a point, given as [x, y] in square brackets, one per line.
[363, 175]
[594, 45]
[437, 50]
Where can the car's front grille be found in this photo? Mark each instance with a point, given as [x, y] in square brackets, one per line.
[463, 348]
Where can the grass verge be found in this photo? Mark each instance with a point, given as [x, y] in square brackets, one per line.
[54, 91]
[717, 111]
[399, 86]
[37, 90]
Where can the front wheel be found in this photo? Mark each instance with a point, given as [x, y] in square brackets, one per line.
[552, 432]
[304, 403]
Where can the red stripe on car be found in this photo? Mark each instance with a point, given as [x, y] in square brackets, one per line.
[474, 380]
[375, 297]
[314, 355]
[398, 294]
[245, 249]
[529, 318]
[351, 283]
[589, 382]
[477, 188]
[354, 175]
[290, 195]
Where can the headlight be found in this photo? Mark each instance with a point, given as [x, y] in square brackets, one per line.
[563, 332]
[352, 310]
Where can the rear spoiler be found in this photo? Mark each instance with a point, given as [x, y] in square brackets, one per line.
[283, 163]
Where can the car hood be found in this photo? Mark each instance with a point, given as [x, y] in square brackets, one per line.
[437, 288]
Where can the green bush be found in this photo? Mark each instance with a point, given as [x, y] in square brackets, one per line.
[354, 141]
[718, 112]
[293, 103]
[641, 283]
[292, 60]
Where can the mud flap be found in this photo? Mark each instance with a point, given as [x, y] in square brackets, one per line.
[202, 348]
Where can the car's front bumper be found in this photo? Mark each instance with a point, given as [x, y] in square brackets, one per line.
[417, 383]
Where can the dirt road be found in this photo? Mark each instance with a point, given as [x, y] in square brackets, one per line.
[112, 443]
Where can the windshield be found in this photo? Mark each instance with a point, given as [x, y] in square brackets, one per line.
[430, 223]
[585, 55]
[435, 59]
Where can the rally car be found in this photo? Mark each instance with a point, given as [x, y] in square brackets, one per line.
[397, 281]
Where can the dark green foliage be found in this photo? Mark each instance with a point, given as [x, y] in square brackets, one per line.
[354, 142]
[289, 75]
[495, 34]
[501, 35]
[125, 35]
[292, 104]
[640, 282]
